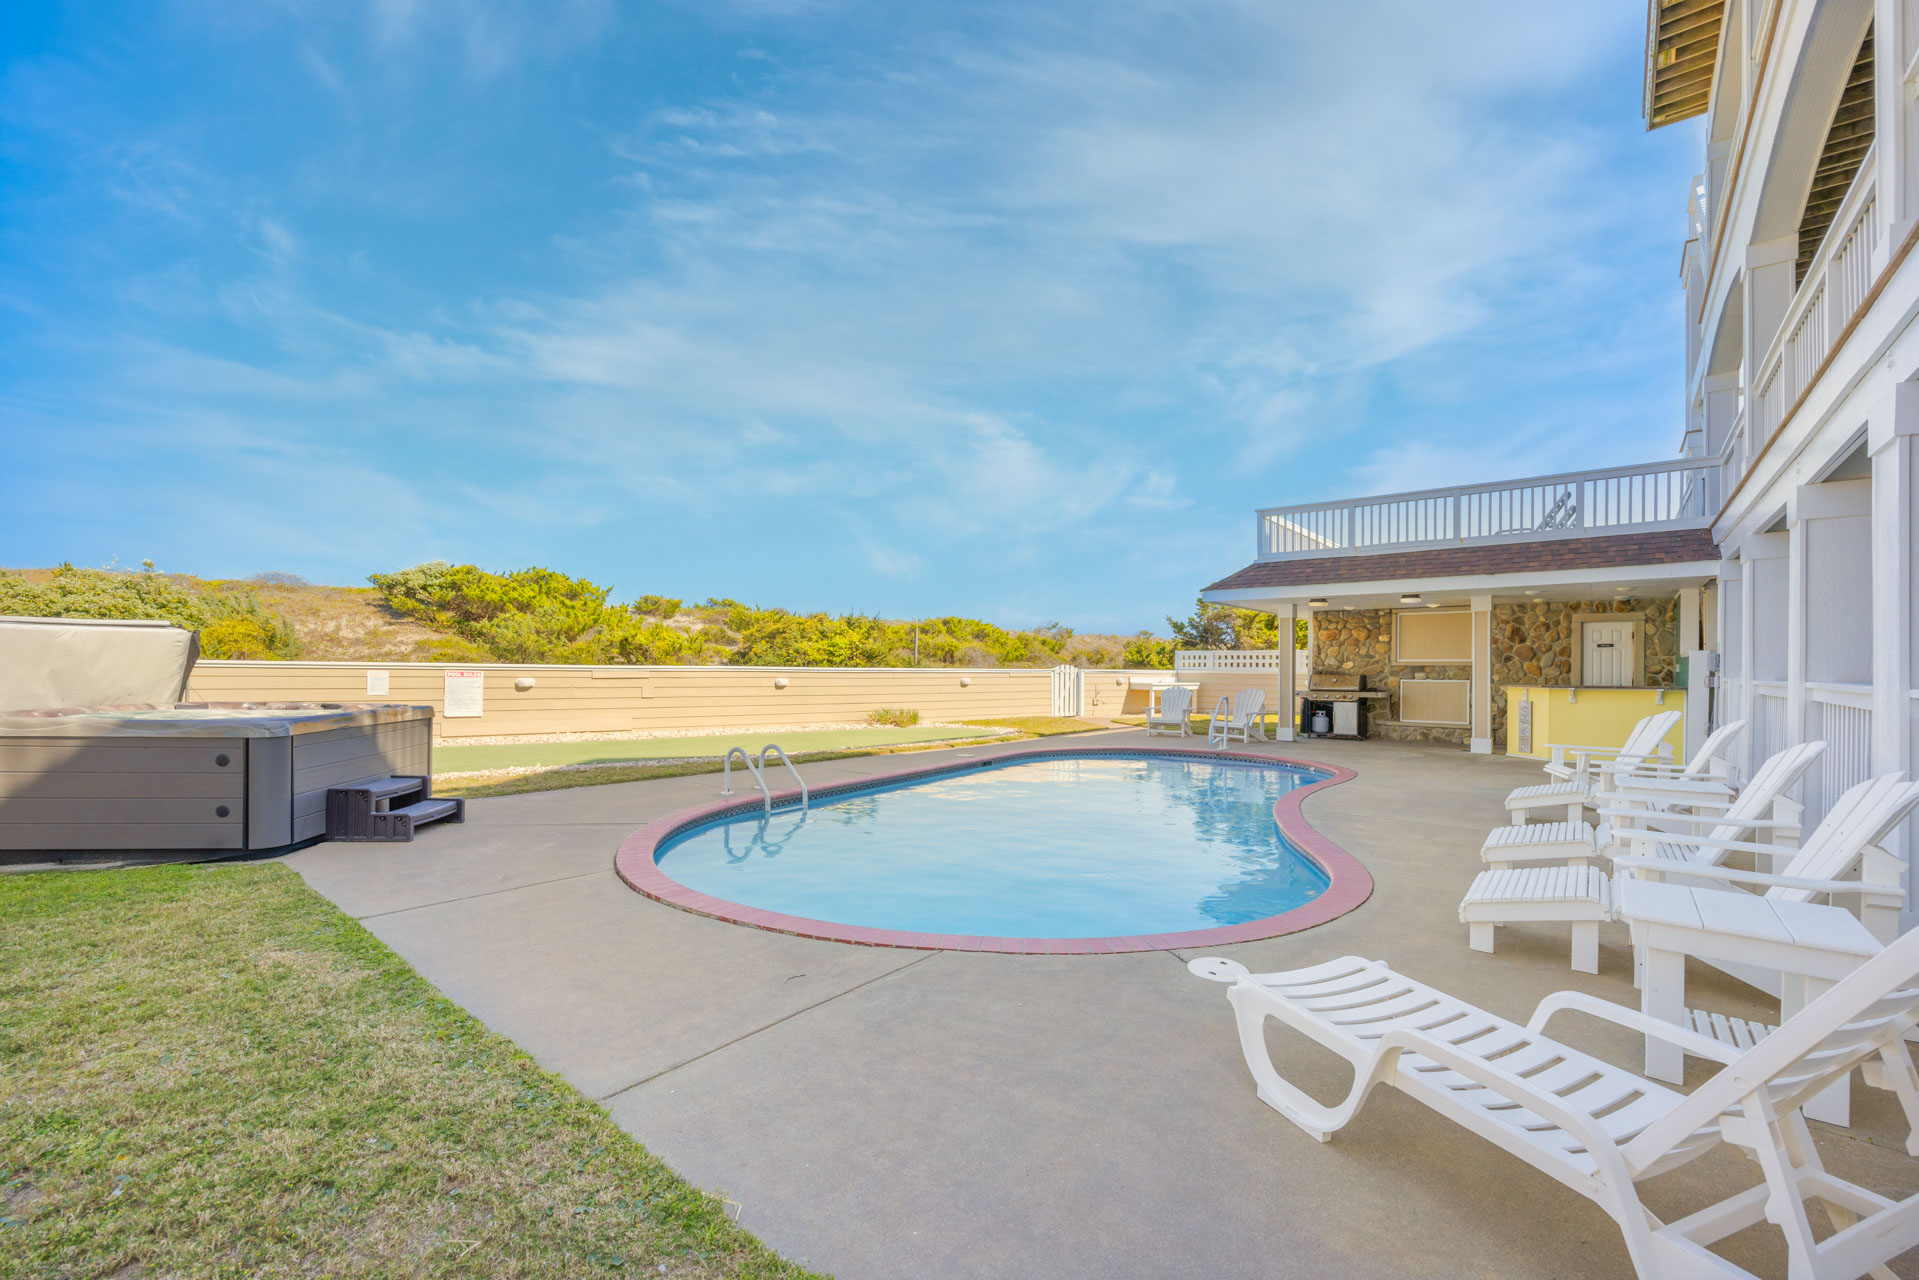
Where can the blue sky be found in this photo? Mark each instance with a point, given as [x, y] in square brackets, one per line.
[1014, 310]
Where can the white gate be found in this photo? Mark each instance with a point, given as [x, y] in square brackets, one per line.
[1068, 685]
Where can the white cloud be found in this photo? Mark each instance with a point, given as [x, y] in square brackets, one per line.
[892, 563]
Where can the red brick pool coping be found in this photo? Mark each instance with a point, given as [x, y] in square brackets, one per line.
[1349, 883]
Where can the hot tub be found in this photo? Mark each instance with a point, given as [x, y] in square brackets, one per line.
[112, 755]
[221, 777]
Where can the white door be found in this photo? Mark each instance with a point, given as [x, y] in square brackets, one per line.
[1607, 657]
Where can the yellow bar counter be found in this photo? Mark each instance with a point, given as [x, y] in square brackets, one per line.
[1537, 716]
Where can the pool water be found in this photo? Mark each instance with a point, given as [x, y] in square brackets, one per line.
[1079, 848]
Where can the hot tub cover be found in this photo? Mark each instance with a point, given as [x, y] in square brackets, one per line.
[93, 662]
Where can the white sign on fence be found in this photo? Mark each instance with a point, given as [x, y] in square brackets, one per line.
[376, 684]
[1523, 725]
[465, 693]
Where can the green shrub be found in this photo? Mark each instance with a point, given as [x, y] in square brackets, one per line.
[899, 716]
[1148, 650]
[231, 620]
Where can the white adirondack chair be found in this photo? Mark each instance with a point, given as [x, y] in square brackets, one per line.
[1857, 821]
[1763, 805]
[1246, 717]
[1601, 1129]
[1173, 714]
[1576, 776]
[1516, 889]
[1705, 777]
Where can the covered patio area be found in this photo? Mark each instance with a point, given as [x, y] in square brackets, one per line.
[884, 1113]
[1478, 645]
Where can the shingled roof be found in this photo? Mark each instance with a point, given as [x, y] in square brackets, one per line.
[1667, 546]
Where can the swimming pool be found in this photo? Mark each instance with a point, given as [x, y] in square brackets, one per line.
[1074, 847]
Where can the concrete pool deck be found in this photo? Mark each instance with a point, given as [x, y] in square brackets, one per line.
[887, 1113]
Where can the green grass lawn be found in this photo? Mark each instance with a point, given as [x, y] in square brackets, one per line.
[515, 755]
[209, 1071]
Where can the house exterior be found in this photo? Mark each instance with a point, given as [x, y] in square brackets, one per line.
[1769, 566]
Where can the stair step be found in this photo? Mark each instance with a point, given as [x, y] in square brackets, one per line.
[387, 788]
[365, 810]
[426, 811]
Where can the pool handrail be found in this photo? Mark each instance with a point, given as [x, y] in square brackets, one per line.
[806, 799]
[758, 770]
[1217, 726]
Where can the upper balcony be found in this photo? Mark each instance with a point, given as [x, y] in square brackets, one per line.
[1680, 494]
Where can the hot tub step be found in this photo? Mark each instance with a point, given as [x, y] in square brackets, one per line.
[368, 810]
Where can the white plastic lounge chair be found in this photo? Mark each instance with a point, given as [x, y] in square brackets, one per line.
[1507, 893]
[1174, 713]
[1762, 805]
[1243, 718]
[1576, 776]
[1601, 1129]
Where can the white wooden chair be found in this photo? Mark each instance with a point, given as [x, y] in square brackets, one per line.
[1516, 890]
[1705, 777]
[1601, 1129]
[1246, 717]
[1173, 713]
[1763, 805]
[1857, 821]
[1577, 777]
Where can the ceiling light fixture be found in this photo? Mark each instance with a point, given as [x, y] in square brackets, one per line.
[1409, 598]
[1317, 602]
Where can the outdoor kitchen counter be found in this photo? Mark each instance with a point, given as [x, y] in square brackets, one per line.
[1537, 716]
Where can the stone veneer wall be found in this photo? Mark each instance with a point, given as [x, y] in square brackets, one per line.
[1532, 644]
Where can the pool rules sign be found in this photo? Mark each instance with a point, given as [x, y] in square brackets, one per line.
[465, 693]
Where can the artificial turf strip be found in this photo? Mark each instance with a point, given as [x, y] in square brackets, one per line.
[1042, 726]
[515, 755]
[210, 1071]
[599, 775]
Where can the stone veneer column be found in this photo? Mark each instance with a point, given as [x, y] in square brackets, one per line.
[1685, 643]
[1480, 741]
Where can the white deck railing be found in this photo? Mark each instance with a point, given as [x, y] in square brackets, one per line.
[1835, 285]
[1680, 494]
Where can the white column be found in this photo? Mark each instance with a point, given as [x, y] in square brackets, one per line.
[1894, 456]
[1287, 615]
[1763, 559]
[1730, 600]
[1795, 536]
[1482, 731]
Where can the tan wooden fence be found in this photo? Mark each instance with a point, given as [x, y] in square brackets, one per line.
[516, 699]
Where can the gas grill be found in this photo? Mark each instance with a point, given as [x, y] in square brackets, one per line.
[1336, 699]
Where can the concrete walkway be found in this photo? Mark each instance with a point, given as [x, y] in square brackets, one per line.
[884, 1113]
